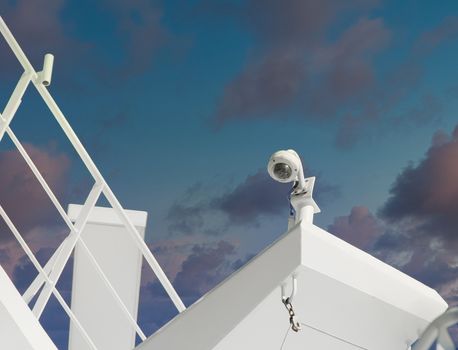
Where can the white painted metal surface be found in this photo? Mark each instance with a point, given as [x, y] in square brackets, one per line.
[346, 299]
[85, 158]
[121, 260]
[19, 329]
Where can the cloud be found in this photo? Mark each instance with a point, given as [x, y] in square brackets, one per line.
[46, 27]
[297, 68]
[424, 257]
[205, 267]
[416, 229]
[295, 22]
[421, 214]
[259, 195]
[22, 196]
[360, 228]
[262, 87]
[347, 65]
[186, 219]
[426, 194]
[309, 72]
[319, 62]
[445, 31]
[140, 34]
[239, 263]
[25, 272]
[255, 197]
[39, 29]
[171, 253]
[194, 268]
[429, 109]
[40, 239]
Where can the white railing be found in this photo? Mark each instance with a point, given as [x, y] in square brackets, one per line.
[51, 272]
[437, 332]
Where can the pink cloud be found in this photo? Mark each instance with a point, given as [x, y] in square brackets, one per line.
[39, 29]
[348, 63]
[446, 30]
[298, 68]
[263, 86]
[141, 34]
[427, 192]
[360, 228]
[21, 195]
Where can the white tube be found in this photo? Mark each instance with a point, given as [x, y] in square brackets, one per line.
[305, 214]
[46, 73]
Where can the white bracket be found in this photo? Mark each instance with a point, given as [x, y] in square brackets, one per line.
[303, 203]
[44, 77]
[293, 289]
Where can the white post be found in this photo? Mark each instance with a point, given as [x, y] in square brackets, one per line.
[106, 277]
[305, 214]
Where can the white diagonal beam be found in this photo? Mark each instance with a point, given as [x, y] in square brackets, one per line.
[56, 203]
[39, 280]
[67, 249]
[14, 102]
[149, 257]
[38, 175]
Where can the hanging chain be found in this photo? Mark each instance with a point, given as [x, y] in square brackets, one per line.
[295, 325]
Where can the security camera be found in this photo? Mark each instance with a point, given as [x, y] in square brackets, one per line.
[286, 166]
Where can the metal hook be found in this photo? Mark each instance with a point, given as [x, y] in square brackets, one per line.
[293, 291]
[287, 301]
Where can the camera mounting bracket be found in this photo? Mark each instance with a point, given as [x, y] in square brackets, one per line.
[301, 200]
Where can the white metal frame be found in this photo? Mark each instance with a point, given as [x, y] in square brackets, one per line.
[438, 332]
[51, 272]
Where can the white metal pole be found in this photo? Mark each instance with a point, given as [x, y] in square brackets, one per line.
[39, 280]
[149, 257]
[67, 250]
[14, 102]
[305, 214]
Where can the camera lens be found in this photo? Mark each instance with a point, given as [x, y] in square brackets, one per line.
[282, 171]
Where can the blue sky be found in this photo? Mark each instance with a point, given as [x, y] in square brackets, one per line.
[181, 104]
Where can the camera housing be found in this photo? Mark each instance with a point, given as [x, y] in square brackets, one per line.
[286, 166]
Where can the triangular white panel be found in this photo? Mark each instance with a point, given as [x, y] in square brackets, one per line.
[19, 329]
[346, 299]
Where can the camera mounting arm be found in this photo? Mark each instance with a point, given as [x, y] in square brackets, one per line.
[302, 202]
